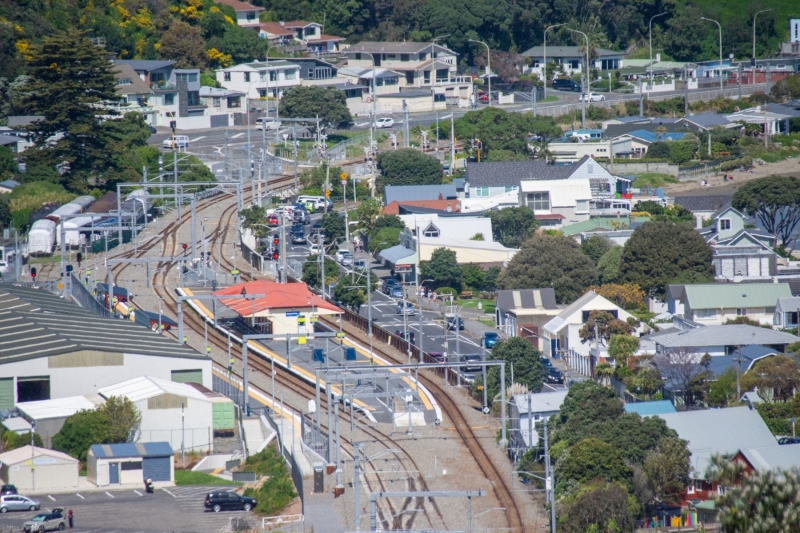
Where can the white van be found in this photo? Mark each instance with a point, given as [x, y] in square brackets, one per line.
[181, 141]
[319, 202]
[267, 123]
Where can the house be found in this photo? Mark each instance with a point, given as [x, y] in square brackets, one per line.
[411, 99]
[703, 206]
[404, 193]
[714, 303]
[246, 14]
[573, 149]
[625, 120]
[225, 104]
[706, 121]
[386, 81]
[572, 59]
[764, 116]
[268, 314]
[526, 412]
[8, 186]
[614, 236]
[276, 33]
[13, 142]
[642, 139]
[559, 202]
[32, 468]
[499, 201]
[116, 464]
[522, 313]
[787, 311]
[613, 130]
[260, 79]
[176, 413]
[420, 65]
[772, 457]
[561, 334]
[598, 225]
[131, 88]
[485, 180]
[658, 407]
[311, 35]
[314, 71]
[419, 206]
[724, 340]
[716, 431]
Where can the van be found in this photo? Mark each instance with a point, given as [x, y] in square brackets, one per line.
[268, 124]
[318, 201]
[566, 85]
[181, 141]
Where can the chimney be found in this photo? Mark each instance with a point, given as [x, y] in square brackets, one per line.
[698, 222]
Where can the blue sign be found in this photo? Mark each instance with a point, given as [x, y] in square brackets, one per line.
[292, 313]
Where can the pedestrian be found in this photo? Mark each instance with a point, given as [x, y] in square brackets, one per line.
[69, 518]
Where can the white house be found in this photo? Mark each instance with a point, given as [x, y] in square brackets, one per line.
[527, 412]
[787, 311]
[761, 115]
[523, 312]
[311, 34]
[561, 202]
[259, 79]
[718, 341]
[714, 303]
[246, 14]
[561, 334]
[572, 59]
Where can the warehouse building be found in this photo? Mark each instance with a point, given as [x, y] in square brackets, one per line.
[48, 416]
[55, 349]
[223, 412]
[52, 470]
[176, 413]
[120, 464]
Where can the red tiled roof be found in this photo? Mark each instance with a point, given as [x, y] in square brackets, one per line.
[297, 23]
[394, 207]
[278, 296]
[551, 216]
[239, 6]
[275, 28]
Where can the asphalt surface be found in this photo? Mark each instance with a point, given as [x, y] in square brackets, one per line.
[175, 509]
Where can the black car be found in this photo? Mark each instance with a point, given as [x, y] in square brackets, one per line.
[553, 375]
[566, 85]
[297, 227]
[788, 440]
[546, 363]
[317, 224]
[299, 238]
[8, 489]
[451, 323]
[228, 501]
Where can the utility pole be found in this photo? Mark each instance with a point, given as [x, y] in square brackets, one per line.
[641, 99]
[686, 91]
[549, 482]
[405, 124]
[452, 145]
[294, 142]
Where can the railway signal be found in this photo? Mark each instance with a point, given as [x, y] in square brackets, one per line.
[33, 273]
[79, 258]
[184, 246]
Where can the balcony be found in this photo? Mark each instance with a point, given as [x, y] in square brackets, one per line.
[452, 80]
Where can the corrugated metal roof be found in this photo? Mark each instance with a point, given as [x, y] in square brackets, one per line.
[144, 387]
[710, 202]
[593, 224]
[726, 335]
[59, 408]
[30, 335]
[398, 253]
[527, 299]
[29, 299]
[723, 431]
[383, 47]
[735, 295]
[509, 173]
[772, 457]
[660, 407]
[541, 402]
[401, 193]
[146, 449]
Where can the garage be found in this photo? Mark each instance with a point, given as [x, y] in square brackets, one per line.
[127, 464]
[52, 470]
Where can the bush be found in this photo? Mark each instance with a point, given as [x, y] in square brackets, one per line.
[447, 290]
[276, 492]
[736, 163]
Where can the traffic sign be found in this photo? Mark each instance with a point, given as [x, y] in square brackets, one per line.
[292, 313]
[235, 272]
[340, 335]
[301, 320]
[343, 175]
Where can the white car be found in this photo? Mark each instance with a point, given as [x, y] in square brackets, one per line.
[181, 141]
[342, 254]
[593, 97]
[314, 249]
[384, 122]
[267, 124]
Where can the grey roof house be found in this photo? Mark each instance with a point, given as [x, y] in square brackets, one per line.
[707, 121]
[405, 193]
[703, 205]
[714, 303]
[527, 412]
[721, 340]
[523, 312]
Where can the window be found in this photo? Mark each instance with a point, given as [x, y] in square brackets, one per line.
[184, 76]
[358, 56]
[124, 81]
[262, 75]
[251, 15]
[226, 76]
[705, 313]
[426, 76]
[510, 188]
[404, 57]
[431, 231]
[539, 201]
[193, 98]
[217, 101]
[574, 64]
[612, 312]
[273, 75]
[131, 465]
[234, 101]
[169, 99]
[311, 31]
[481, 191]
[290, 74]
[246, 76]
[741, 311]
[320, 73]
[193, 78]
[724, 224]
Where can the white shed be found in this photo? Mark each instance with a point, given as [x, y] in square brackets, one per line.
[127, 463]
[50, 470]
[176, 413]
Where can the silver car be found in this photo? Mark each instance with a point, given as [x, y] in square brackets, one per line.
[15, 502]
[45, 522]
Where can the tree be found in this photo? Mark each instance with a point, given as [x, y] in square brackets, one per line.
[527, 361]
[659, 253]
[241, 44]
[114, 422]
[8, 165]
[13, 440]
[667, 469]
[590, 460]
[254, 218]
[327, 103]
[596, 246]
[500, 130]
[683, 371]
[780, 375]
[312, 272]
[588, 410]
[680, 152]
[786, 89]
[608, 265]
[71, 77]
[472, 276]
[620, 347]
[550, 261]
[658, 150]
[350, 293]
[124, 419]
[184, 44]
[443, 268]
[598, 508]
[629, 296]
[605, 325]
[407, 167]
[507, 65]
[775, 202]
[332, 226]
[513, 225]
[369, 211]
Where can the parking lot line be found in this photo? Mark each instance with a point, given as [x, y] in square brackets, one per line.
[137, 492]
[168, 492]
[79, 496]
[109, 494]
[51, 498]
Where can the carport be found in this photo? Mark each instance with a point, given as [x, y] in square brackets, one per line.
[127, 463]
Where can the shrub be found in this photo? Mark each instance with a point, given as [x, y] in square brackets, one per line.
[736, 163]
[447, 290]
[276, 492]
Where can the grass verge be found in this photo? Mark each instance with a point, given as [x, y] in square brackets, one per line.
[472, 303]
[187, 477]
[653, 179]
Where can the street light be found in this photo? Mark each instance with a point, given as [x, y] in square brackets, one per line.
[488, 66]
[584, 96]
[545, 54]
[650, 33]
[720, 50]
[754, 33]
[419, 304]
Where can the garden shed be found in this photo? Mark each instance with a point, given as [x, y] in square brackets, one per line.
[128, 463]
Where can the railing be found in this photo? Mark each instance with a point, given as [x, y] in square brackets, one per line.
[280, 521]
[86, 299]
[297, 474]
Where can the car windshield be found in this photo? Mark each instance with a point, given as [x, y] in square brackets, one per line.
[491, 335]
[39, 518]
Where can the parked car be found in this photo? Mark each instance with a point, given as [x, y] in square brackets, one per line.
[553, 375]
[360, 264]
[469, 368]
[46, 522]
[437, 356]
[593, 97]
[8, 489]
[178, 141]
[268, 124]
[16, 502]
[151, 129]
[314, 249]
[566, 85]
[340, 254]
[228, 501]
[490, 338]
[384, 122]
[546, 363]
[404, 307]
[346, 261]
[299, 238]
[483, 98]
[396, 291]
[788, 440]
[451, 322]
[272, 220]
[388, 284]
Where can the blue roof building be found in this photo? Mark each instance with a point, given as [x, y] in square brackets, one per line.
[130, 463]
[659, 407]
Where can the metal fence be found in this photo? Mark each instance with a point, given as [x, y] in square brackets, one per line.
[86, 299]
[297, 474]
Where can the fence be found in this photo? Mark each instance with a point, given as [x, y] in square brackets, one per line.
[639, 168]
[297, 474]
[86, 299]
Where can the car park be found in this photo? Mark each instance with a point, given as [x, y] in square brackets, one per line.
[490, 338]
[593, 97]
[553, 375]
[178, 141]
[46, 522]
[384, 122]
[228, 501]
[299, 238]
[404, 307]
[566, 85]
[17, 502]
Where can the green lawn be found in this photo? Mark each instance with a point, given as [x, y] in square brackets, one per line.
[652, 179]
[547, 99]
[487, 322]
[472, 303]
[187, 477]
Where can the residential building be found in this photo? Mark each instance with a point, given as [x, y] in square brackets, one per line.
[420, 65]
[562, 338]
[571, 150]
[8, 186]
[405, 193]
[522, 313]
[718, 341]
[386, 81]
[626, 120]
[526, 413]
[706, 121]
[260, 79]
[642, 139]
[131, 88]
[614, 130]
[787, 311]
[315, 71]
[559, 202]
[764, 116]
[13, 142]
[654, 408]
[418, 206]
[716, 431]
[276, 33]
[246, 14]
[572, 59]
[311, 35]
[772, 457]
[714, 303]
[703, 206]
[615, 236]
[223, 104]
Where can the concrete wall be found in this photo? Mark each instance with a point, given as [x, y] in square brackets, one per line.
[639, 168]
